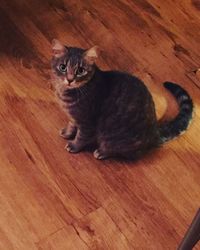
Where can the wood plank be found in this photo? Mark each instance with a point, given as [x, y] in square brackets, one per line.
[99, 231]
[66, 238]
[50, 199]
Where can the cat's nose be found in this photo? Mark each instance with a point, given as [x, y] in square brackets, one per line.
[70, 78]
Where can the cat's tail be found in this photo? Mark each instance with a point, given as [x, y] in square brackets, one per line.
[175, 127]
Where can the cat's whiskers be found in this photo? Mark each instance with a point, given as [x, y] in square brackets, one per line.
[79, 95]
[83, 91]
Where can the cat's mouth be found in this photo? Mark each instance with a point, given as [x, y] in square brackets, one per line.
[73, 84]
[69, 84]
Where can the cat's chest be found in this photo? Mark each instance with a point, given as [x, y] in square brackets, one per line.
[68, 109]
[66, 102]
[74, 105]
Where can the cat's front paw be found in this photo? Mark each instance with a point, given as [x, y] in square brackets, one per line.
[99, 155]
[62, 132]
[65, 134]
[72, 147]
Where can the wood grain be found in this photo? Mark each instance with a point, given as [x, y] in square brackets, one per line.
[50, 199]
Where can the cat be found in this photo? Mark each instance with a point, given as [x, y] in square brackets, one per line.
[112, 110]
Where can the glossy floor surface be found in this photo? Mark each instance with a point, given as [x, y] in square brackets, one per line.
[50, 199]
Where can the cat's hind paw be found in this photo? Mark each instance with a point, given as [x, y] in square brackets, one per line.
[99, 155]
[72, 148]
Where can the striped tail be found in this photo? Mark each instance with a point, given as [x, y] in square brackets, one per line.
[173, 128]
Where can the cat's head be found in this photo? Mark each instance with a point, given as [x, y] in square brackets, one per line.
[74, 67]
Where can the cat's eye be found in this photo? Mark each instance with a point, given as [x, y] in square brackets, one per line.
[81, 71]
[62, 67]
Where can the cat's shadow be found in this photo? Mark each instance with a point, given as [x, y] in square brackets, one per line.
[149, 156]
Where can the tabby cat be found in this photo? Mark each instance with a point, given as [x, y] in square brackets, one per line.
[111, 110]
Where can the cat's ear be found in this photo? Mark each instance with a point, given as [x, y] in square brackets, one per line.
[92, 54]
[58, 49]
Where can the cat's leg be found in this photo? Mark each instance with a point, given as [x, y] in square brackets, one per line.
[84, 137]
[123, 149]
[103, 151]
[100, 155]
[117, 147]
[69, 133]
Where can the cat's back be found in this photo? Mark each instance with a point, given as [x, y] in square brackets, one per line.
[124, 84]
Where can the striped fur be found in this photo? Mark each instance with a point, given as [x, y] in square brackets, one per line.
[175, 127]
[112, 110]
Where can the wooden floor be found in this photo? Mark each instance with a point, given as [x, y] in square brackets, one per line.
[50, 199]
